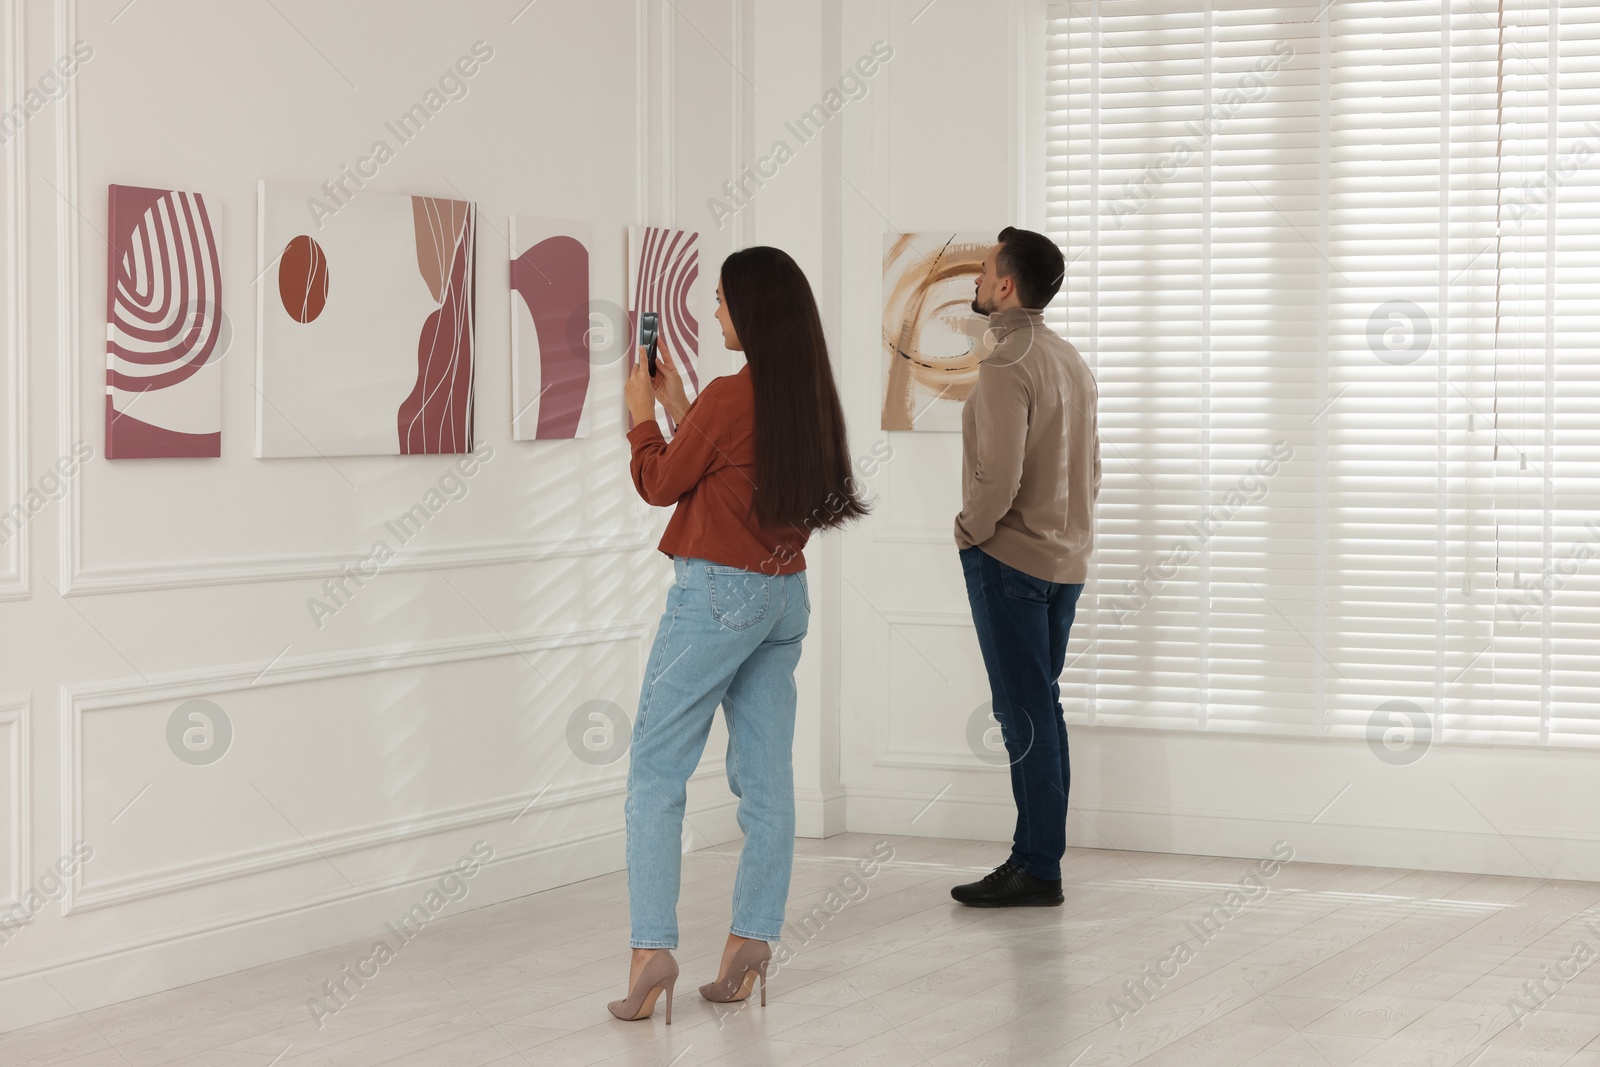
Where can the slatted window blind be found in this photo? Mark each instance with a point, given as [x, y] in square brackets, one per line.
[1334, 266]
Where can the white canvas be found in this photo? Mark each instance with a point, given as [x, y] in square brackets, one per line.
[333, 386]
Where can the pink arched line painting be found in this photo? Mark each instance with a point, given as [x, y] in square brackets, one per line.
[665, 265]
[669, 264]
[165, 330]
[552, 278]
[437, 415]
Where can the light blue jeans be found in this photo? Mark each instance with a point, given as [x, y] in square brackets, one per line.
[728, 636]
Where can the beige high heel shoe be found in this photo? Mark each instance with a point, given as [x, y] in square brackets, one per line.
[659, 972]
[749, 960]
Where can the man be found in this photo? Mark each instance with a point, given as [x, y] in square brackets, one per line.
[1030, 475]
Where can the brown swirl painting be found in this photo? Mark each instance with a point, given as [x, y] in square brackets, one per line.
[933, 341]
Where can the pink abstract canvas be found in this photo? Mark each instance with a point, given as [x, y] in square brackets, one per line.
[165, 330]
[551, 331]
[437, 414]
[663, 266]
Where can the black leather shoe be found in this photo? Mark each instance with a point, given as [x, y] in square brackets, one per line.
[1009, 886]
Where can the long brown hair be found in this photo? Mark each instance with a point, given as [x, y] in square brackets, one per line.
[802, 470]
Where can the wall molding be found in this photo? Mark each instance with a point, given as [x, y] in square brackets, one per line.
[132, 578]
[1029, 25]
[667, 91]
[912, 617]
[742, 97]
[14, 716]
[655, 133]
[887, 531]
[67, 298]
[76, 702]
[884, 754]
[587, 840]
[14, 584]
[913, 535]
[641, 114]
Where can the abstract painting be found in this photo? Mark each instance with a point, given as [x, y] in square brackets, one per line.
[933, 341]
[663, 266]
[165, 330]
[550, 328]
[365, 319]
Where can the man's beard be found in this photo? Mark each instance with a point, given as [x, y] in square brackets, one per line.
[978, 307]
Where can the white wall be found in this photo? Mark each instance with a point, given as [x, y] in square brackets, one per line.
[950, 140]
[432, 711]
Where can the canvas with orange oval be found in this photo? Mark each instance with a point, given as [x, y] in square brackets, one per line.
[365, 319]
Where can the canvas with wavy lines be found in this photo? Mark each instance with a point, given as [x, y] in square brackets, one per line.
[932, 340]
[165, 330]
[663, 268]
[365, 324]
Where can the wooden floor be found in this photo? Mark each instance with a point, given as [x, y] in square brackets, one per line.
[1326, 966]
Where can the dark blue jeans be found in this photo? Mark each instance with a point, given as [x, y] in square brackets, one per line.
[1022, 624]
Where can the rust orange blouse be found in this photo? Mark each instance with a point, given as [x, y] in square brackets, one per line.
[708, 470]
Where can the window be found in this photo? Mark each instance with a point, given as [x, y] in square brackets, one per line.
[1334, 265]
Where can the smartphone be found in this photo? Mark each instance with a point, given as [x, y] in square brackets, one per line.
[649, 331]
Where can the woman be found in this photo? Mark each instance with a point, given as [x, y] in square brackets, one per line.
[757, 461]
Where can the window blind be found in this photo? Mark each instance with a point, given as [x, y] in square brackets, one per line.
[1546, 417]
[1329, 263]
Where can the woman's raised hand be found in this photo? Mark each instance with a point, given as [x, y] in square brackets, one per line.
[668, 384]
[638, 391]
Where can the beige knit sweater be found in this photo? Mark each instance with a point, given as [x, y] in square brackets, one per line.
[1030, 466]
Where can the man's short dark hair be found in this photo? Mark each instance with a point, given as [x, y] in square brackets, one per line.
[1034, 262]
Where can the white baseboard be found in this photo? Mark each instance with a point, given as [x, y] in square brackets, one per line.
[818, 814]
[1247, 835]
